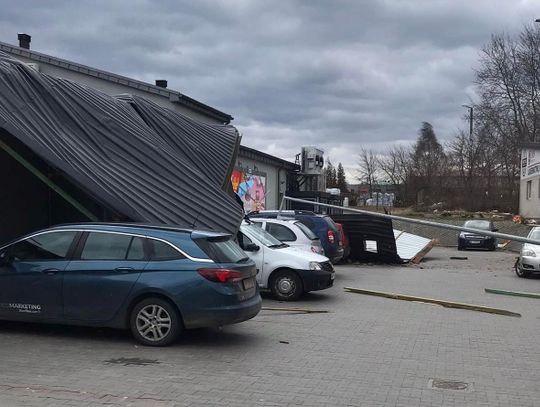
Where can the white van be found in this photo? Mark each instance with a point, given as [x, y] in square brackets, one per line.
[285, 271]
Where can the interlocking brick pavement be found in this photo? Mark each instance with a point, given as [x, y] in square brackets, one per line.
[368, 351]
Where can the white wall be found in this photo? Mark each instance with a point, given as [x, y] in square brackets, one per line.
[529, 207]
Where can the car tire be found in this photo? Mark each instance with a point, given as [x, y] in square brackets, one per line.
[286, 286]
[155, 322]
[519, 271]
[492, 247]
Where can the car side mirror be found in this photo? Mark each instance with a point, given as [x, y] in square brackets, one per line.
[252, 247]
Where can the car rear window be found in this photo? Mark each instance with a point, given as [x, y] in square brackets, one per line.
[308, 222]
[330, 223]
[222, 249]
[307, 231]
[162, 251]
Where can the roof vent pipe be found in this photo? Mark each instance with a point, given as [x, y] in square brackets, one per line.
[162, 83]
[24, 40]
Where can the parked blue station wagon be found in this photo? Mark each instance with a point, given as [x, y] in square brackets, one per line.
[154, 280]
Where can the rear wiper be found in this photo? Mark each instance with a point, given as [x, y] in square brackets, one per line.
[243, 260]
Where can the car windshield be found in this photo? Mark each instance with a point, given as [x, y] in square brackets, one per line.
[535, 234]
[261, 235]
[222, 250]
[307, 231]
[477, 224]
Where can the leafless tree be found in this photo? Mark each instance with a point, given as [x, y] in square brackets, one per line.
[368, 168]
[397, 165]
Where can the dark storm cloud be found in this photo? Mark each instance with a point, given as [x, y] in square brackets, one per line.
[337, 74]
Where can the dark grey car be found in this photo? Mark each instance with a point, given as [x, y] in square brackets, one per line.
[468, 240]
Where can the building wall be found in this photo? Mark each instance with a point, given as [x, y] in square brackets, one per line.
[529, 186]
[112, 88]
[529, 206]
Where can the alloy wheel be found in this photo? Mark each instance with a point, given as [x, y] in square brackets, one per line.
[153, 322]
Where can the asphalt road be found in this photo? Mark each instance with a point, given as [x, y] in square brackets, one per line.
[367, 351]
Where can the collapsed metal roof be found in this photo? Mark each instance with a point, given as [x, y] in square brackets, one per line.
[143, 161]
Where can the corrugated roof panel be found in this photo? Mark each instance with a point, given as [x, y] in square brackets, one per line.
[187, 136]
[409, 245]
[104, 146]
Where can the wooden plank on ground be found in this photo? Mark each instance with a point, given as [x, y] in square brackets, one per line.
[448, 304]
[300, 310]
[421, 254]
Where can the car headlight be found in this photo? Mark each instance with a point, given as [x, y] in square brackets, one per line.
[313, 265]
[528, 253]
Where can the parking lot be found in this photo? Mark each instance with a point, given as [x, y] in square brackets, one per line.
[367, 351]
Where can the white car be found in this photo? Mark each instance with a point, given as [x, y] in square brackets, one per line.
[285, 271]
[292, 232]
[529, 258]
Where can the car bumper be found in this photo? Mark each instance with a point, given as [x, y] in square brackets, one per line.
[530, 264]
[223, 315]
[480, 243]
[316, 280]
[338, 255]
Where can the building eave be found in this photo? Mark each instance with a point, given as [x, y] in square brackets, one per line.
[267, 158]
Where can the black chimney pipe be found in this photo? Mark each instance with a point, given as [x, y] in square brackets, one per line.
[162, 83]
[24, 40]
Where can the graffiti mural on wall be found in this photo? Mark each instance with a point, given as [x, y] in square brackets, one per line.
[251, 188]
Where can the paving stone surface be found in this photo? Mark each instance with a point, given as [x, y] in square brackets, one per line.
[368, 351]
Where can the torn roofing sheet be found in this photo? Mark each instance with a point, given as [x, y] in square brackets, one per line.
[103, 145]
[187, 136]
[409, 246]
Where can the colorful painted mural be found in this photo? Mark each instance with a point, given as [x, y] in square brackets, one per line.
[251, 188]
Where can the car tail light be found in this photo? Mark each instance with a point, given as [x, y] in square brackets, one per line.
[331, 236]
[220, 275]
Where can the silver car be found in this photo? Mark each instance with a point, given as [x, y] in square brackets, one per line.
[529, 258]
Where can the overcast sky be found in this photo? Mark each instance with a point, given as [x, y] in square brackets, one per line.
[336, 74]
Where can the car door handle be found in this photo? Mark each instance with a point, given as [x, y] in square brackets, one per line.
[51, 272]
[124, 269]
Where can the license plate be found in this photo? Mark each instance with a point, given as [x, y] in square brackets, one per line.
[475, 241]
[248, 283]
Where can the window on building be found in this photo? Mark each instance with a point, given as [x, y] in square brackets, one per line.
[529, 189]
